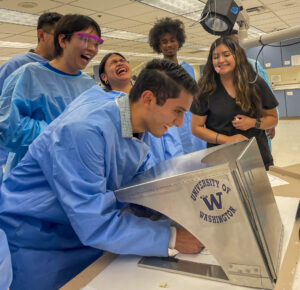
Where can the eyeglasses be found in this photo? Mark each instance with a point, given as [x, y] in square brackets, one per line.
[87, 39]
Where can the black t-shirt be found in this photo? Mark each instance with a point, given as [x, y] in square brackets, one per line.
[220, 109]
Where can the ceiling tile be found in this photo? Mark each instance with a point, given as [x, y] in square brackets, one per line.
[43, 5]
[134, 17]
[67, 9]
[97, 5]
[131, 10]
[141, 29]
[102, 18]
[14, 28]
[4, 35]
[21, 38]
[153, 16]
[122, 24]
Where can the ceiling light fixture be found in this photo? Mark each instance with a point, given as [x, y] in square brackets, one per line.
[189, 9]
[122, 34]
[145, 55]
[219, 16]
[16, 17]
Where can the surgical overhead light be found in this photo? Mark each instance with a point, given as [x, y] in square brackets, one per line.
[219, 16]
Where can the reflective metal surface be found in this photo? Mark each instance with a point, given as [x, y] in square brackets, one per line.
[180, 266]
[222, 195]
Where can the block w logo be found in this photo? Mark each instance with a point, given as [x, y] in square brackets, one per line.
[213, 201]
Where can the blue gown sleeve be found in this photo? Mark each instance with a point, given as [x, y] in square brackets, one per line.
[172, 145]
[17, 127]
[82, 171]
[5, 263]
[5, 70]
[264, 75]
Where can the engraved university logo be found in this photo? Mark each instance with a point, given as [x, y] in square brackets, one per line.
[212, 193]
[213, 201]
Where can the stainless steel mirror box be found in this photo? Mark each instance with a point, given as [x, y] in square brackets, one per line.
[223, 196]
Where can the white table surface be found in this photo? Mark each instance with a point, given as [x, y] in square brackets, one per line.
[124, 274]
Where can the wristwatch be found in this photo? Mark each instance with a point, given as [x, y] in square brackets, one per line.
[257, 123]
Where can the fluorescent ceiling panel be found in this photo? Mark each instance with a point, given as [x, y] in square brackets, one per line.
[144, 55]
[122, 34]
[254, 32]
[15, 17]
[191, 9]
[16, 44]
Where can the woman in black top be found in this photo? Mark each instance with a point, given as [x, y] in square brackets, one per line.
[234, 103]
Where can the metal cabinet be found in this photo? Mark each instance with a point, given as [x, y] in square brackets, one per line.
[280, 96]
[292, 98]
[253, 52]
[288, 51]
[272, 56]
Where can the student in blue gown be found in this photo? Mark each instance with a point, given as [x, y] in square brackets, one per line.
[43, 52]
[58, 206]
[167, 36]
[36, 93]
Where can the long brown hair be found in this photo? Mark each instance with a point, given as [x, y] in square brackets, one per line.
[244, 75]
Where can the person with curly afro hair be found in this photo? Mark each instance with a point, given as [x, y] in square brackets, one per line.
[167, 36]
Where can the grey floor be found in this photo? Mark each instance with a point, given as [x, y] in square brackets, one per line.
[286, 151]
[286, 143]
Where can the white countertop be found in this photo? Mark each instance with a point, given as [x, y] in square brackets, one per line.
[124, 274]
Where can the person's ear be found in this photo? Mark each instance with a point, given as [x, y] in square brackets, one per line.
[62, 40]
[148, 99]
[103, 77]
[40, 34]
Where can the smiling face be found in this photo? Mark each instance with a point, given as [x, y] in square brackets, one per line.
[116, 71]
[160, 118]
[223, 60]
[169, 45]
[78, 52]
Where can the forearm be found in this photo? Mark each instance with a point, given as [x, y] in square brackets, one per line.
[268, 122]
[205, 134]
[210, 136]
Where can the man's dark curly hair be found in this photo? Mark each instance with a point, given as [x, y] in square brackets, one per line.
[166, 25]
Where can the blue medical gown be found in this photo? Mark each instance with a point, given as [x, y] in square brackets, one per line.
[260, 71]
[58, 207]
[5, 70]
[264, 75]
[5, 263]
[190, 142]
[33, 96]
[15, 62]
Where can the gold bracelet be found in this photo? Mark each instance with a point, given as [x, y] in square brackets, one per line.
[217, 138]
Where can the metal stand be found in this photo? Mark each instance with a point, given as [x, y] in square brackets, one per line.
[222, 195]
